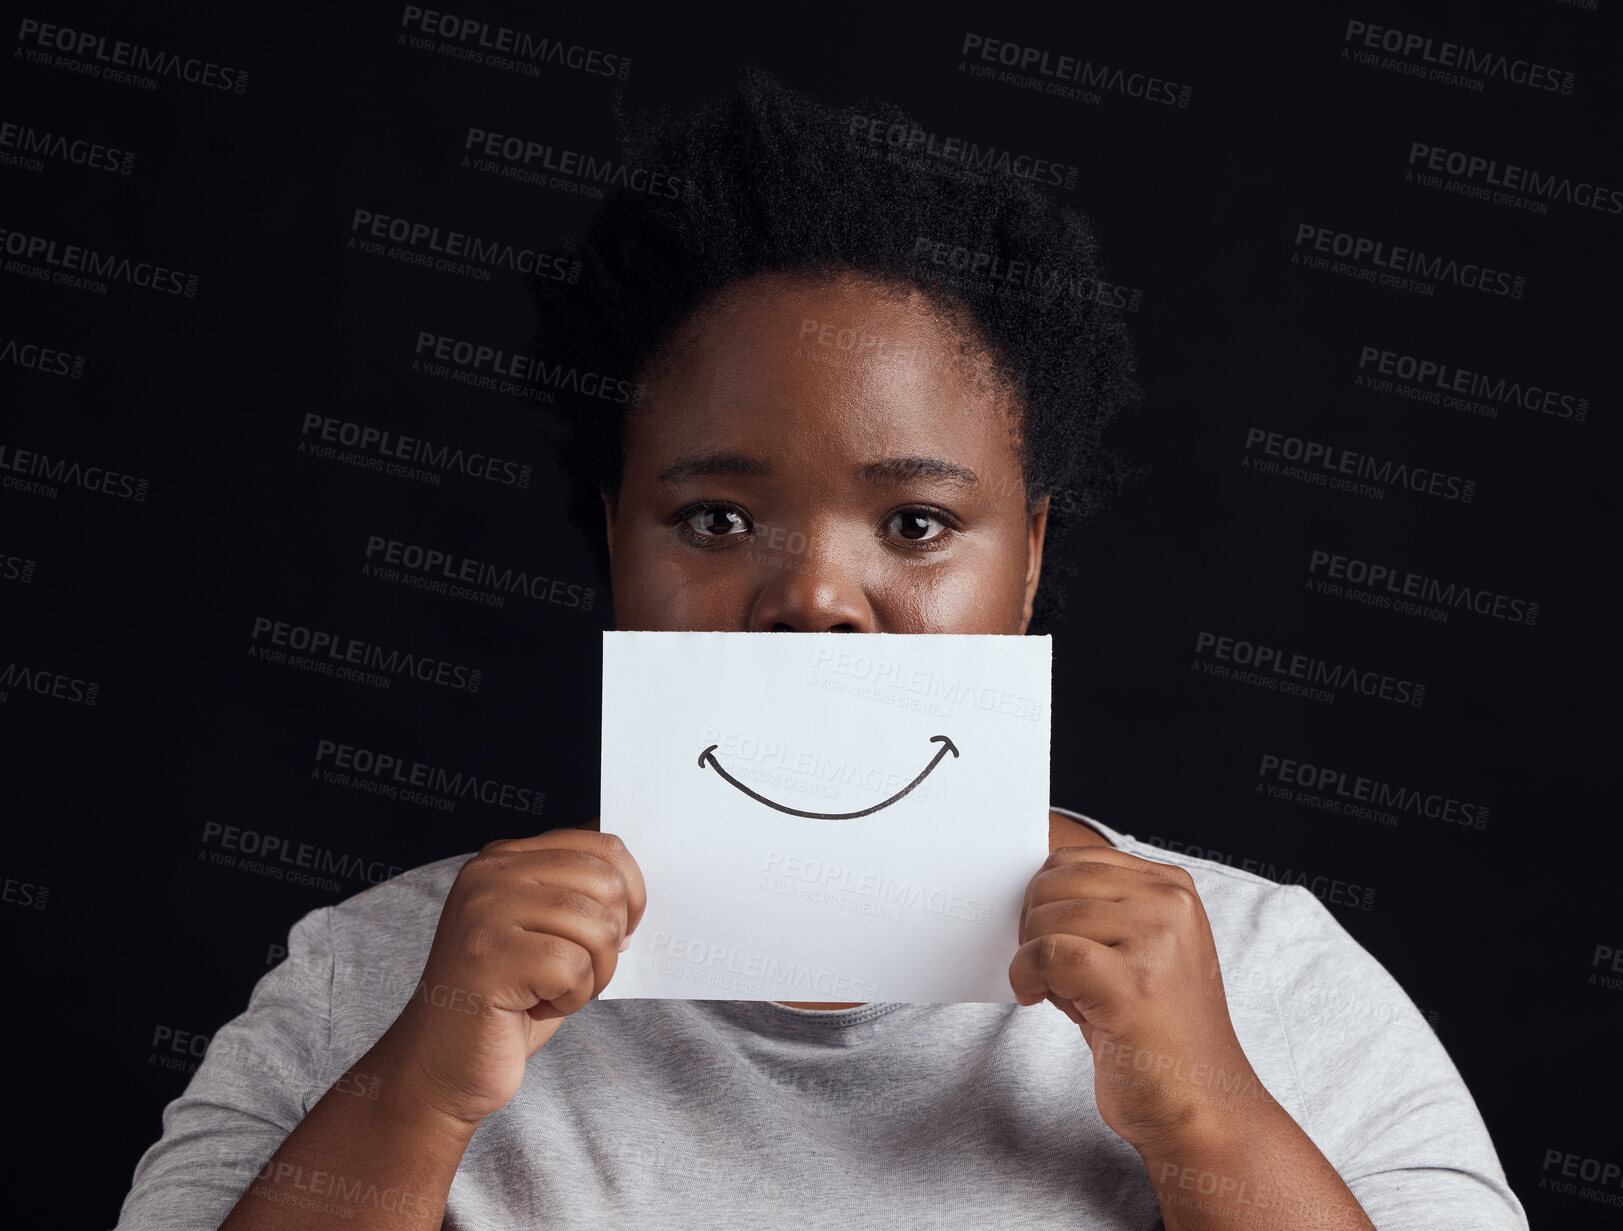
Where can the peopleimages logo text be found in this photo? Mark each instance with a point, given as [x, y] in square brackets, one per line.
[1372, 791]
[1513, 178]
[528, 369]
[383, 443]
[1023, 59]
[908, 138]
[323, 645]
[1450, 379]
[481, 37]
[1307, 668]
[1457, 56]
[1017, 275]
[93, 264]
[117, 54]
[1315, 456]
[429, 238]
[1393, 582]
[70, 473]
[525, 159]
[41, 358]
[400, 771]
[29, 142]
[1473, 275]
[434, 565]
[47, 683]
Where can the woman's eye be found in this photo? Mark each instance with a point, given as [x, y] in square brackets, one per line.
[715, 521]
[916, 525]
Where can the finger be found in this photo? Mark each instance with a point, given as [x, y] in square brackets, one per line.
[557, 910]
[1110, 923]
[499, 882]
[636, 888]
[1110, 856]
[1087, 880]
[1071, 967]
[1064, 876]
[585, 836]
[546, 975]
[1069, 1009]
[605, 847]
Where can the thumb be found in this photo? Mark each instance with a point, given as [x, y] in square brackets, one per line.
[1068, 1008]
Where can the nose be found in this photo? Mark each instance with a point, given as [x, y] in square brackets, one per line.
[816, 591]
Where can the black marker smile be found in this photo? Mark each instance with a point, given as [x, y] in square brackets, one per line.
[946, 744]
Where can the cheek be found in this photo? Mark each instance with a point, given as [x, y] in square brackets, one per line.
[979, 592]
[656, 589]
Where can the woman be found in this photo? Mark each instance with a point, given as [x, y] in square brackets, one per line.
[907, 374]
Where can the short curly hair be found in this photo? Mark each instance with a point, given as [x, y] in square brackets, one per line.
[772, 181]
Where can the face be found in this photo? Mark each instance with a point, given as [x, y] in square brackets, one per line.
[823, 457]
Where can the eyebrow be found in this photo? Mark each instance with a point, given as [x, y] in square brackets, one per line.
[886, 470]
[901, 469]
[700, 465]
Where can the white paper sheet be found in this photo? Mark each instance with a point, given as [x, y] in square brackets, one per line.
[713, 741]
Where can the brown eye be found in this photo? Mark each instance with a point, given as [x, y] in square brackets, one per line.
[715, 521]
[916, 525]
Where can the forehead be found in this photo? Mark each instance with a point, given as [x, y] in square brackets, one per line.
[845, 364]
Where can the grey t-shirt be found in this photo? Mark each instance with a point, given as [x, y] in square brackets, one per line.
[733, 1114]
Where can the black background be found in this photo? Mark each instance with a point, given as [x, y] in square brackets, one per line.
[1493, 931]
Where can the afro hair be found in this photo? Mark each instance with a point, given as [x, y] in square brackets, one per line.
[769, 180]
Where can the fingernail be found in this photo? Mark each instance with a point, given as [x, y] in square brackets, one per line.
[625, 944]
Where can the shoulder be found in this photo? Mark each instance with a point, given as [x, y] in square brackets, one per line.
[379, 941]
[1230, 890]
[413, 892]
[1279, 945]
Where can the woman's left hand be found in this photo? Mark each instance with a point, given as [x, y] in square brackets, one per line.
[1122, 946]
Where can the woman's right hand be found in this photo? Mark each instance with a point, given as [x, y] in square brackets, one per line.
[531, 930]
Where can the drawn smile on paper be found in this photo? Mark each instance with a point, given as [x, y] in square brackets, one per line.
[946, 745]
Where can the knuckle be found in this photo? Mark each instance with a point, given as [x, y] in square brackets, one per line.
[477, 899]
[1146, 982]
[579, 904]
[603, 920]
[560, 954]
[1182, 898]
[486, 863]
[483, 942]
[611, 844]
[571, 856]
[1048, 954]
[608, 883]
[585, 968]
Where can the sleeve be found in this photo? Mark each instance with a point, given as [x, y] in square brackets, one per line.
[1384, 1102]
[258, 1079]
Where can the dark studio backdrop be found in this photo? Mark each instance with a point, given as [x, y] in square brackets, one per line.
[1368, 254]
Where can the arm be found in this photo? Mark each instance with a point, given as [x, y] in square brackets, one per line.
[528, 933]
[1253, 1168]
[1382, 1098]
[1123, 947]
[373, 1153]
